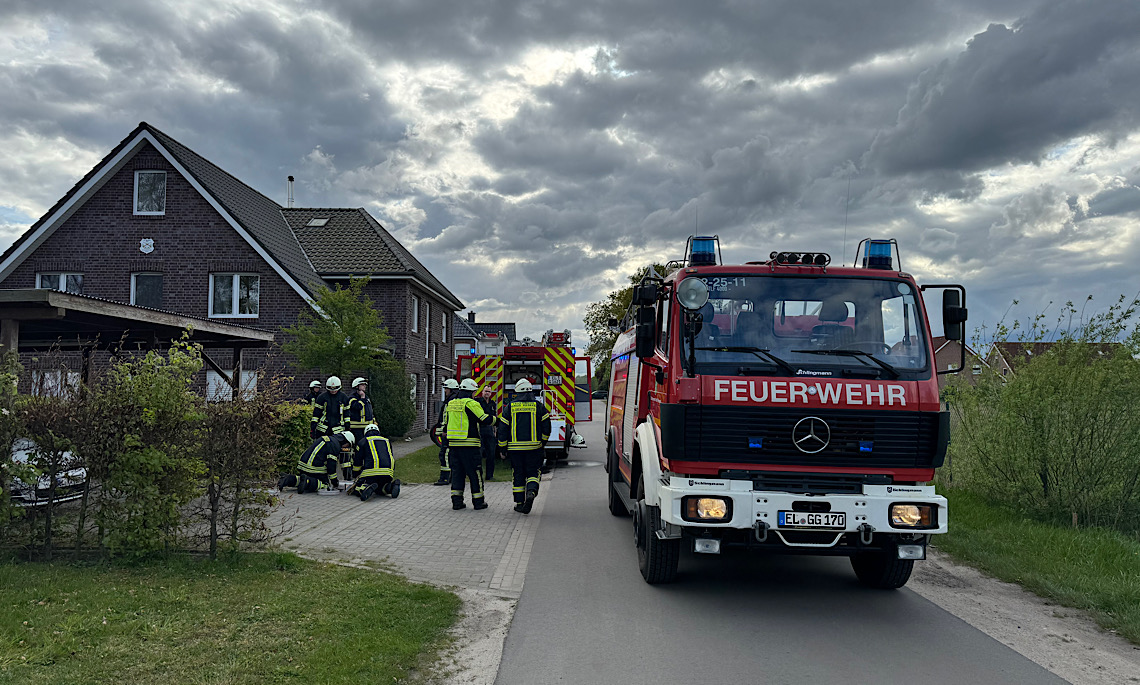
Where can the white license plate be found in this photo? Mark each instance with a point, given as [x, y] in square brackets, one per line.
[800, 519]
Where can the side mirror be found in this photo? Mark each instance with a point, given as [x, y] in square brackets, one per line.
[645, 335]
[645, 294]
[953, 314]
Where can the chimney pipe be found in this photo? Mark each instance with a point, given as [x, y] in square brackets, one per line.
[289, 202]
[470, 317]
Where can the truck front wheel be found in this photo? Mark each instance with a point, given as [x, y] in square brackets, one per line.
[882, 570]
[657, 558]
[617, 507]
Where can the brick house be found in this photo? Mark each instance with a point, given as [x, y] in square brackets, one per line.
[481, 338]
[948, 355]
[156, 225]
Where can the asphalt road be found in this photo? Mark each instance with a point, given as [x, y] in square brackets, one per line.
[586, 615]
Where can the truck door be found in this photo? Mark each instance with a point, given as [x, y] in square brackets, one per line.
[583, 381]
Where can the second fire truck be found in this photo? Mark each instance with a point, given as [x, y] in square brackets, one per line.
[783, 405]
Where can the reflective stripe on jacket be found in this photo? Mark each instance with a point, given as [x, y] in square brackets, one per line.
[376, 456]
[329, 411]
[525, 426]
[315, 459]
[461, 419]
[359, 412]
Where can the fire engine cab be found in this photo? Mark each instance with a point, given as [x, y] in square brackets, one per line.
[783, 405]
[550, 365]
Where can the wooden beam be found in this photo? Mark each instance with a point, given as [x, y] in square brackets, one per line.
[32, 314]
[10, 335]
[218, 370]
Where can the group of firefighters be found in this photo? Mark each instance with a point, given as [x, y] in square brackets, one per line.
[470, 430]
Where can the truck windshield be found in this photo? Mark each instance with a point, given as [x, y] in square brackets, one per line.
[791, 325]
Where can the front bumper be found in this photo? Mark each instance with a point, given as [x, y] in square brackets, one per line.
[866, 513]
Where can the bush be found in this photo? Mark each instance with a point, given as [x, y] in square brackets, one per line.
[292, 434]
[1060, 436]
[390, 388]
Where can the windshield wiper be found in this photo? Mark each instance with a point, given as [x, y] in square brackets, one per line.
[758, 351]
[854, 353]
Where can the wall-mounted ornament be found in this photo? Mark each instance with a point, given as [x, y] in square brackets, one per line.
[146, 245]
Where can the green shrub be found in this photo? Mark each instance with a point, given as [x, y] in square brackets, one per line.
[390, 388]
[1060, 436]
[292, 434]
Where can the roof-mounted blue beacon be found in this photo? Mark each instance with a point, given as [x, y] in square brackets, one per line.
[877, 254]
[703, 250]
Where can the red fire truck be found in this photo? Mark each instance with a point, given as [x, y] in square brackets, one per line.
[549, 364]
[784, 405]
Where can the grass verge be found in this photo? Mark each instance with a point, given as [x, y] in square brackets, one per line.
[258, 618]
[422, 466]
[1090, 568]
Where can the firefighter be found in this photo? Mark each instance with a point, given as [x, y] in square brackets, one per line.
[523, 432]
[313, 394]
[462, 417]
[330, 413]
[359, 415]
[487, 437]
[316, 469]
[450, 386]
[374, 474]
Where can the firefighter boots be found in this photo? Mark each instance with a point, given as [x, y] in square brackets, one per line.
[367, 492]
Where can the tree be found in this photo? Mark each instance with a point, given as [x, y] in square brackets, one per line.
[344, 335]
[597, 318]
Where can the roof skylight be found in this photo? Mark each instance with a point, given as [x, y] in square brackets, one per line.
[317, 223]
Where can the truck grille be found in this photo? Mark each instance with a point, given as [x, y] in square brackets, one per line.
[763, 435]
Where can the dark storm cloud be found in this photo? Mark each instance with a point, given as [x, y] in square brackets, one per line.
[1065, 70]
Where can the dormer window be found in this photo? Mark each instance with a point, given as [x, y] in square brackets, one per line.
[150, 193]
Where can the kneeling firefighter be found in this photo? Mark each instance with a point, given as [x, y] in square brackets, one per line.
[523, 433]
[316, 469]
[374, 454]
[461, 419]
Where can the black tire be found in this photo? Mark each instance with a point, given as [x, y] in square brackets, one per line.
[882, 570]
[656, 558]
[617, 507]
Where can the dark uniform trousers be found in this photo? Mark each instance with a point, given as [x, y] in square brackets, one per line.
[466, 464]
[526, 464]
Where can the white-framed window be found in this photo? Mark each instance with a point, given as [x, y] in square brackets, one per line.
[434, 357]
[217, 389]
[443, 327]
[146, 290]
[415, 385]
[234, 295]
[427, 329]
[150, 192]
[68, 283]
[977, 370]
[55, 383]
[415, 314]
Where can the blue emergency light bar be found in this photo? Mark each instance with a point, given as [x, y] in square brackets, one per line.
[702, 250]
[877, 254]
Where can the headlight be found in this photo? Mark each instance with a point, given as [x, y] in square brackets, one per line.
[918, 516]
[706, 509]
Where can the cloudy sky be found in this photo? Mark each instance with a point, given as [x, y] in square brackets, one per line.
[532, 154]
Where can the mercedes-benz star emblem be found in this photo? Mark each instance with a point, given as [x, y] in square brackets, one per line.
[811, 434]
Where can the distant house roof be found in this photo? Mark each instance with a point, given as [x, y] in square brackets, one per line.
[352, 242]
[460, 328]
[940, 341]
[1023, 351]
[507, 330]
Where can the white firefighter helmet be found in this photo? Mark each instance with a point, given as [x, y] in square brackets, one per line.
[315, 384]
[371, 428]
[333, 383]
[357, 381]
[469, 384]
[451, 384]
[348, 437]
[523, 386]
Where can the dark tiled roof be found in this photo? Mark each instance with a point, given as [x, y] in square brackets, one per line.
[353, 242]
[507, 329]
[460, 328]
[256, 213]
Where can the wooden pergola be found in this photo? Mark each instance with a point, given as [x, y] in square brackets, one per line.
[34, 320]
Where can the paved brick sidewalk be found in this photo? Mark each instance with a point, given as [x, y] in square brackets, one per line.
[418, 534]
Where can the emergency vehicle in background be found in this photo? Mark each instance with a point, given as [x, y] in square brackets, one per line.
[549, 364]
[784, 405]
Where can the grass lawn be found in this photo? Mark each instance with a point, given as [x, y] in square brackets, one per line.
[1092, 569]
[259, 618]
[422, 466]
